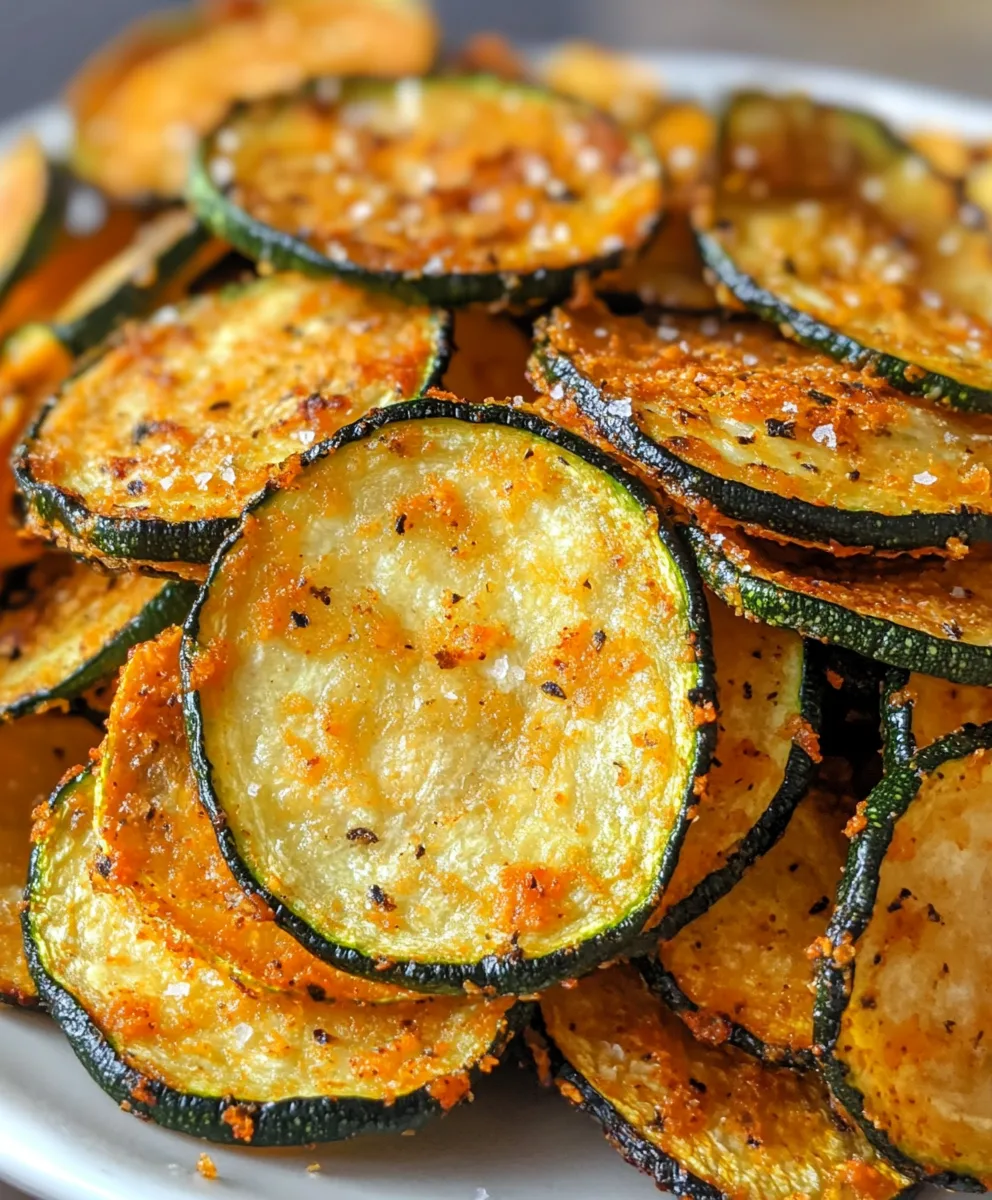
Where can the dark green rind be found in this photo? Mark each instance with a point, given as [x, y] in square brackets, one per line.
[902, 374]
[296, 1122]
[498, 975]
[130, 299]
[664, 984]
[148, 540]
[262, 243]
[667, 1173]
[170, 607]
[873, 637]
[898, 739]
[795, 519]
[856, 898]
[42, 236]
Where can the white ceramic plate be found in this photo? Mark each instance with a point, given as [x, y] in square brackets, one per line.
[62, 1139]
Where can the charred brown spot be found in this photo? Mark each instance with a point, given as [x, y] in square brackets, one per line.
[381, 899]
[550, 688]
[363, 835]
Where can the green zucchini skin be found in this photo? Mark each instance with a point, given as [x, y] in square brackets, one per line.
[796, 519]
[895, 645]
[262, 243]
[501, 975]
[170, 607]
[898, 738]
[856, 898]
[148, 540]
[296, 1122]
[130, 299]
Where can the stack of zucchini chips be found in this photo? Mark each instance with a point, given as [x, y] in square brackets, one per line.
[438, 536]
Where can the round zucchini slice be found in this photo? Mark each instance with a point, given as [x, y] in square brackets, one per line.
[151, 451]
[141, 103]
[740, 973]
[768, 686]
[65, 627]
[163, 258]
[449, 695]
[925, 614]
[903, 1007]
[825, 224]
[36, 753]
[447, 190]
[32, 199]
[175, 1038]
[733, 417]
[705, 1122]
[158, 842]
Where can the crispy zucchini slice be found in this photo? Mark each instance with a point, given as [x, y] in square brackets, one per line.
[32, 199]
[176, 1038]
[706, 1122]
[740, 973]
[931, 615]
[616, 83]
[475, 675]
[489, 357]
[903, 1006]
[768, 686]
[153, 448]
[447, 190]
[920, 709]
[667, 274]
[65, 627]
[733, 417]
[92, 231]
[141, 103]
[33, 362]
[158, 841]
[163, 258]
[826, 224]
[35, 753]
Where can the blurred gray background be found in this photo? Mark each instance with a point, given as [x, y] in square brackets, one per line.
[943, 42]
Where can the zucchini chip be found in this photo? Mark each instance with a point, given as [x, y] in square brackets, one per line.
[140, 104]
[32, 199]
[668, 273]
[735, 418]
[447, 190]
[768, 685]
[176, 1038]
[619, 84]
[920, 709]
[903, 1007]
[932, 615]
[706, 1122]
[151, 451]
[158, 842]
[33, 362]
[35, 753]
[66, 627]
[827, 225]
[740, 973]
[489, 359]
[449, 695]
[163, 258]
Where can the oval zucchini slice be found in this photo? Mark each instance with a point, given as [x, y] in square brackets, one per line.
[926, 614]
[447, 190]
[164, 257]
[457, 627]
[903, 1006]
[36, 753]
[151, 451]
[140, 104]
[733, 417]
[768, 686]
[740, 973]
[706, 1122]
[825, 224]
[175, 1038]
[67, 627]
[158, 842]
[32, 198]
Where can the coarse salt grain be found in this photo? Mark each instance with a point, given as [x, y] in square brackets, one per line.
[589, 159]
[361, 210]
[925, 478]
[958, 593]
[221, 172]
[168, 315]
[536, 171]
[228, 141]
[621, 406]
[682, 158]
[202, 478]
[746, 158]
[228, 475]
[872, 189]
[825, 436]
[525, 210]
[86, 212]
[667, 333]
[166, 482]
[611, 245]
[749, 360]
[177, 989]
[242, 1034]
[558, 392]
[306, 436]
